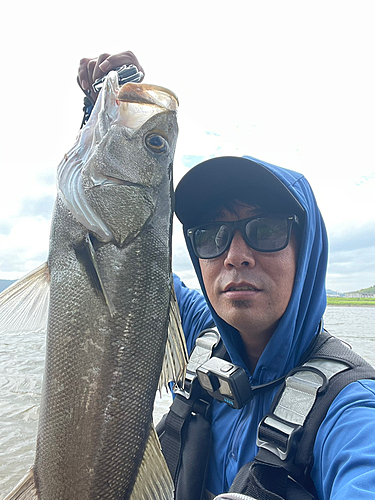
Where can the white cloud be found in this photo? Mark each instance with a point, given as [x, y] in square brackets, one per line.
[282, 81]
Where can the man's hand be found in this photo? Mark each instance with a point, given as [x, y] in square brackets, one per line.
[91, 69]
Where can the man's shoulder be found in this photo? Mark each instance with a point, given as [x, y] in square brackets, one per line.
[195, 314]
[357, 394]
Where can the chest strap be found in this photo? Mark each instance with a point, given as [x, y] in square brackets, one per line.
[286, 435]
[279, 430]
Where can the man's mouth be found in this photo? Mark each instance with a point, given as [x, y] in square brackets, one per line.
[240, 287]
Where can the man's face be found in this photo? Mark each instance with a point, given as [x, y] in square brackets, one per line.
[250, 290]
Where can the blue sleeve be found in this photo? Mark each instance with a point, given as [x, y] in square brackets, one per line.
[195, 314]
[344, 450]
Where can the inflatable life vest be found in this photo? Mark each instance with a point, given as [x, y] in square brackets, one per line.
[286, 435]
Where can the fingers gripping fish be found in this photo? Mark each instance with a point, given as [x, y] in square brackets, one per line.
[109, 268]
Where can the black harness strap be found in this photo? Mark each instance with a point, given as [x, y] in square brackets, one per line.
[171, 435]
[186, 428]
[330, 348]
[286, 435]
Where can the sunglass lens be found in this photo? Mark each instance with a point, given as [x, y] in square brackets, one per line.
[267, 234]
[211, 241]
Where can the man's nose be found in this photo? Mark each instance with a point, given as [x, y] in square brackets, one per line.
[239, 253]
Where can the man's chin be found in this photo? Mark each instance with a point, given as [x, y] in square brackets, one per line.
[241, 304]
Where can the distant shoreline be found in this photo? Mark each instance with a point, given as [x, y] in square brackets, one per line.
[350, 302]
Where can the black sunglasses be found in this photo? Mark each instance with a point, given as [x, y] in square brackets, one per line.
[264, 233]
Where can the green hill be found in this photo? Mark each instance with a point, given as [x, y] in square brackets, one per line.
[371, 289]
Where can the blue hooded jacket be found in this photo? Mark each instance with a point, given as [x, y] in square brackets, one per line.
[344, 451]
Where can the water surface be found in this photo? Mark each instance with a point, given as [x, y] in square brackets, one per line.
[21, 370]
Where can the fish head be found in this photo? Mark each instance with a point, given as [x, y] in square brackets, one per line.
[133, 133]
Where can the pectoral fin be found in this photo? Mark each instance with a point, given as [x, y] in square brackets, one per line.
[24, 305]
[94, 262]
[86, 253]
[25, 490]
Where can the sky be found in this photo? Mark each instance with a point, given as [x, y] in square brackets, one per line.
[289, 82]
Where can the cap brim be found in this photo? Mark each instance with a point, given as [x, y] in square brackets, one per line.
[212, 179]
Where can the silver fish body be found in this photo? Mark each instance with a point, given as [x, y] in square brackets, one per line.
[110, 297]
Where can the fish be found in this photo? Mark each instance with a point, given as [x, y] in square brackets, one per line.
[113, 328]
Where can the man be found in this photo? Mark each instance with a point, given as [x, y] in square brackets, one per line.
[259, 248]
[268, 306]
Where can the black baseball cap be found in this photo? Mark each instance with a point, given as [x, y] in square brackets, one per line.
[214, 179]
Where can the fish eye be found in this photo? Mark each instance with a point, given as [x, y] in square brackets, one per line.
[156, 143]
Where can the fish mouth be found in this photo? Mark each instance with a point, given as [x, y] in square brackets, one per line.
[138, 102]
[141, 93]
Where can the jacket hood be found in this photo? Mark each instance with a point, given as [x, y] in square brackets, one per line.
[301, 321]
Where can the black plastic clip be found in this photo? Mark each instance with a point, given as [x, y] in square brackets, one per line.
[278, 436]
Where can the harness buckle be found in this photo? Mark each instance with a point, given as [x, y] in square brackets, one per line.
[202, 352]
[278, 436]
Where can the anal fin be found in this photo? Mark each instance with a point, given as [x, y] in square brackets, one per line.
[25, 490]
[153, 481]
